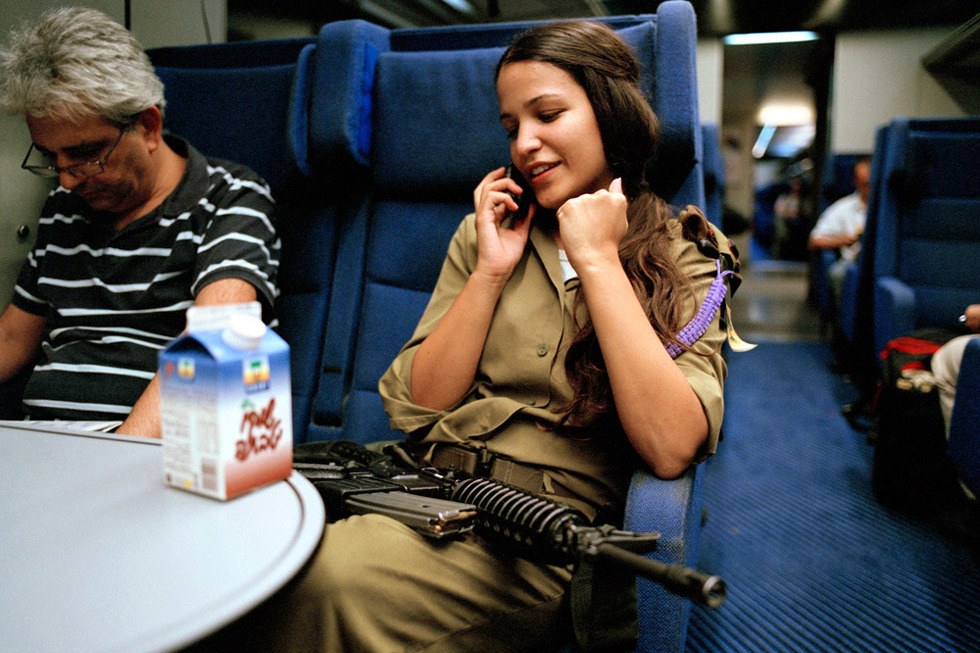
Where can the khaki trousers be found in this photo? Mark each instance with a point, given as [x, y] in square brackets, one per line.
[375, 585]
[945, 365]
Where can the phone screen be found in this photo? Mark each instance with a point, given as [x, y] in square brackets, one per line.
[524, 200]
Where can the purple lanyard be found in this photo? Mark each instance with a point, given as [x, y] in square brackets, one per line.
[697, 326]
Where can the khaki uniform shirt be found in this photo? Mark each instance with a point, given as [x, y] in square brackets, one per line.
[521, 378]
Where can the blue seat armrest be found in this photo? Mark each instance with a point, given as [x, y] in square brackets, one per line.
[847, 317]
[672, 508]
[894, 310]
[824, 259]
[964, 426]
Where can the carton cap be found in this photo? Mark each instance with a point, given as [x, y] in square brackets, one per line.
[244, 332]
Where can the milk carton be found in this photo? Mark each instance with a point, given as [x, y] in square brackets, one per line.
[225, 405]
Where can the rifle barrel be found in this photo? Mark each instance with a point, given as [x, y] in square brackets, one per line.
[690, 583]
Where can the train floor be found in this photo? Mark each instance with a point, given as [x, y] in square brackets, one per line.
[812, 561]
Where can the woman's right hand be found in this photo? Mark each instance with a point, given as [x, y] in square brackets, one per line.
[446, 362]
[499, 248]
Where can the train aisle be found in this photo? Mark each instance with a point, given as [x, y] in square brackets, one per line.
[812, 561]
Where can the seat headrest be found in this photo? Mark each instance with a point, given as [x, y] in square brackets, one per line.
[932, 158]
[945, 163]
[220, 97]
[436, 117]
[237, 54]
[436, 121]
[238, 114]
[341, 88]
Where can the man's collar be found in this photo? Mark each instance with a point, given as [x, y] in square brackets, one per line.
[194, 183]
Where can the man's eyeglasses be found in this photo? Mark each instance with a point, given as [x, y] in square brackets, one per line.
[77, 170]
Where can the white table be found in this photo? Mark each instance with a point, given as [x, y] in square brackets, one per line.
[97, 554]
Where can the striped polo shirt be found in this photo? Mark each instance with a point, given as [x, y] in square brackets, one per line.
[113, 300]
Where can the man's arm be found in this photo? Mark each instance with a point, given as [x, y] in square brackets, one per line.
[20, 336]
[144, 419]
[833, 242]
[836, 226]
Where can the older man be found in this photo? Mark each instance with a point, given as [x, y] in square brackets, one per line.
[140, 227]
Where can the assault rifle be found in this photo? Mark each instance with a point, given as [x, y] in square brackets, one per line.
[444, 503]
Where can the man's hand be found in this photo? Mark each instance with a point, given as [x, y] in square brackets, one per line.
[833, 242]
[972, 314]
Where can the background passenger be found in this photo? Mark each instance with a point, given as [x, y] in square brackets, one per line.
[841, 225]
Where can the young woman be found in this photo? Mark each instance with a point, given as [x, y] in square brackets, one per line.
[544, 341]
[543, 354]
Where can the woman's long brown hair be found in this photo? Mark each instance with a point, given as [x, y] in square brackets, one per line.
[609, 72]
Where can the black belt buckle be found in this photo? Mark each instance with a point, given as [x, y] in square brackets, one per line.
[484, 463]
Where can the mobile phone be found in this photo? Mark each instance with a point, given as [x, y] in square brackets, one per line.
[523, 200]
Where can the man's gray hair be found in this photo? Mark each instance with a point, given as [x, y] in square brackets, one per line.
[76, 63]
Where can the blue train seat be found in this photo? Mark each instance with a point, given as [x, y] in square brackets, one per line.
[854, 320]
[714, 174]
[246, 102]
[764, 214]
[837, 179]
[927, 237]
[231, 100]
[426, 155]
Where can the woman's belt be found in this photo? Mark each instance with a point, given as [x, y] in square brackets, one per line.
[480, 462]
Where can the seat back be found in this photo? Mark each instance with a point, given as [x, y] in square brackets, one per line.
[714, 174]
[247, 102]
[435, 134]
[854, 318]
[927, 236]
[764, 213]
[231, 100]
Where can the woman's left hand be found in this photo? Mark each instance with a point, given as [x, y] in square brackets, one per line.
[656, 405]
[592, 226]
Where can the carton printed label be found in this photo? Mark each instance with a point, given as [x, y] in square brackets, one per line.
[262, 430]
[255, 374]
[185, 368]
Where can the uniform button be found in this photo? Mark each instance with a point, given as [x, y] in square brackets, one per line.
[530, 402]
[542, 350]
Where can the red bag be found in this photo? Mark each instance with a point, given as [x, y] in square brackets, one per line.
[910, 469]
